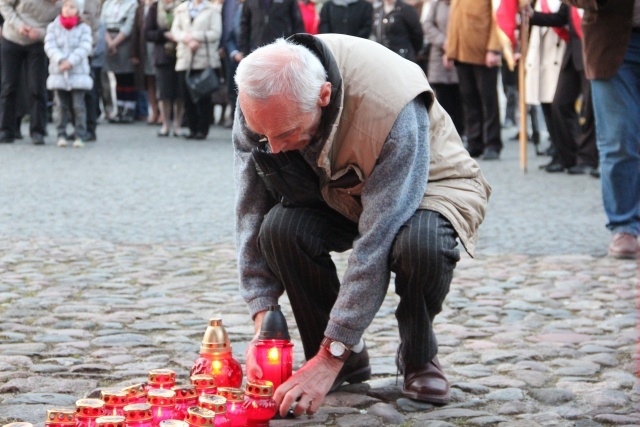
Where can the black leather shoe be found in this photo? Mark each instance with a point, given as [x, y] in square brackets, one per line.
[555, 167]
[474, 152]
[427, 384]
[37, 139]
[595, 172]
[6, 138]
[356, 369]
[491, 154]
[580, 170]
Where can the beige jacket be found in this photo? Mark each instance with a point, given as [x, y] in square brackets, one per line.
[472, 31]
[456, 187]
[34, 13]
[207, 24]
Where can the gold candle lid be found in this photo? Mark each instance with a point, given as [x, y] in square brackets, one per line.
[135, 391]
[90, 407]
[138, 412]
[217, 404]
[185, 392]
[162, 376]
[200, 416]
[203, 381]
[261, 388]
[173, 423]
[160, 397]
[111, 421]
[215, 338]
[114, 397]
[18, 424]
[61, 416]
[231, 394]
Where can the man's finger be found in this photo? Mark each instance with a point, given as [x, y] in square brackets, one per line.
[288, 399]
[303, 405]
[314, 406]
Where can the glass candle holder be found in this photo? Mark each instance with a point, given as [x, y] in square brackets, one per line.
[217, 404]
[274, 351]
[163, 404]
[18, 424]
[87, 411]
[110, 421]
[161, 379]
[204, 383]
[216, 357]
[114, 401]
[259, 402]
[173, 423]
[138, 415]
[136, 393]
[186, 397]
[200, 417]
[235, 409]
[60, 417]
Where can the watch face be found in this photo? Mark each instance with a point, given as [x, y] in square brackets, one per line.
[337, 348]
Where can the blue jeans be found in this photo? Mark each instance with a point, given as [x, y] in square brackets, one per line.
[616, 103]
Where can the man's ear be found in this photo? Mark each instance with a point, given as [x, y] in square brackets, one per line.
[325, 94]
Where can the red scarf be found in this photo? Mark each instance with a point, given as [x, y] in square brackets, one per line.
[576, 20]
[562, 32]
[69, 22]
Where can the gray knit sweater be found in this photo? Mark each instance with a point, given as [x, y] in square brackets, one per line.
[390, 196]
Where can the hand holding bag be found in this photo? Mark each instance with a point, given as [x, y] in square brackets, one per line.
[202, 84]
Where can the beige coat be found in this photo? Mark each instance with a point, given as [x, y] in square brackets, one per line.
[544, 60]
[472, 31]
[456, 187]
[34, 13]
[206, 25]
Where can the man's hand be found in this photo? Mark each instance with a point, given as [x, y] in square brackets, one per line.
[34, 34]
[309, 385]
[65, 65]
[238, 57]
[193, 45]
[24, 30]
[493, 59]
[252, 368]
[446, 62]
[169, 36]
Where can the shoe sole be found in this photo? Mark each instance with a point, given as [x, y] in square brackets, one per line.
[623, 255]
[438, 400]
[359, 376]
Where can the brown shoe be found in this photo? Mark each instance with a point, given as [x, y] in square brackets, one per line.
[356, 369]
[427, 384]
[623, 246]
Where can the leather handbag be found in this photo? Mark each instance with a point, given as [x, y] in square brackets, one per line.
[204, 83]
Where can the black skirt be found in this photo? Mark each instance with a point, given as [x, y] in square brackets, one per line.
[168, 84]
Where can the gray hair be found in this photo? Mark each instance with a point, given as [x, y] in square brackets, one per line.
[282, 68]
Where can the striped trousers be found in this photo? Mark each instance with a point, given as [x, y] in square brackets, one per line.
[297, 241]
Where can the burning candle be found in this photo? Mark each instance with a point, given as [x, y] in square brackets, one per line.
[173, 423]
[114, 401]
[204, 383]
[60, 417]
[87, 411]
[216, 357]
[138, 415]
[161, 378]
[136, 393]
[200, 417]
[259, 402]
[163, 404]
[110, 421]
[186, 397]
[235, 409]
[217, 404]
[274, 351]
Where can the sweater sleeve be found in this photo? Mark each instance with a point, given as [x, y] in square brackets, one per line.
[390, 196]
[84, 47]
[258, 286]
[11, 17]
[51, 48]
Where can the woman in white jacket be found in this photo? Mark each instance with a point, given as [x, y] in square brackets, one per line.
[197, 28]
[68, 43]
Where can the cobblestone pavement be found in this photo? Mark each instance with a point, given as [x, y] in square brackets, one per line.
[112, 259]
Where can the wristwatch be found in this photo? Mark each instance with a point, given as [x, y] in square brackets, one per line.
[336, 349]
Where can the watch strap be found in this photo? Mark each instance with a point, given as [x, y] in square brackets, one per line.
[327, 345]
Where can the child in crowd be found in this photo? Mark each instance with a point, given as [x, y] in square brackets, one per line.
[68, 44]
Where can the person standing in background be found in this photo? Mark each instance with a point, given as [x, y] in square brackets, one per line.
[441, 71]
[23, 44]
[263, 21]
[310, 16]
[119, 17]
[145, 72]
[231, 13]
[396, 26]
[472, 42]
[350, 17]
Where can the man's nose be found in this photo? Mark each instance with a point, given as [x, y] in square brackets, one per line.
[276, 146]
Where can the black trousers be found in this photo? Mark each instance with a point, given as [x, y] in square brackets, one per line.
[449, 97]
[13, 57]
[297, 243]
[198, 115]
[92, 101]
[575, 142]
[479, 90]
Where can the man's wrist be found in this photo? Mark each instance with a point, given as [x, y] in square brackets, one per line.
[336, 349]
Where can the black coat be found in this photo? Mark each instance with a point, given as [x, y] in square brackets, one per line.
[260, 26]
[399, 30]
[153, 33]
[354, 19]
[562, 18]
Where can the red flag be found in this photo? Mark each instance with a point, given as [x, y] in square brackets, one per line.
[562, 32]
[576, 20]
[506, 19]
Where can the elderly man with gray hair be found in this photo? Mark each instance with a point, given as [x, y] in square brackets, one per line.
[334, 151]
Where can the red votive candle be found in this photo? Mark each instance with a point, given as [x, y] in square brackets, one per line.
[60, 417]
[274, 351]
[204, 383]
[186, 397]
[163, 405]
[235, 409]
[216, 357]
[136, 393]
[138, 415]
[161, 379]
[217, 404]
[114, 401]
[110, 421]
[87, 411]
[200, 417]
[259, 402]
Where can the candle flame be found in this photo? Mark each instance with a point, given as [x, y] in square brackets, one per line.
[216, 366]
[159, 411]
[273, 355]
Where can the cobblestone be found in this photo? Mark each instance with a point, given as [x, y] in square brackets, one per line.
[113, 258]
